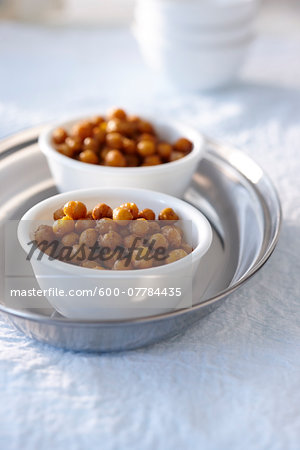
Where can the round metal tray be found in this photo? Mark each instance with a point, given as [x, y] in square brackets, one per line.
[230, 189]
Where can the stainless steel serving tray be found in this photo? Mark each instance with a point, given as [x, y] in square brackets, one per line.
[229, 188]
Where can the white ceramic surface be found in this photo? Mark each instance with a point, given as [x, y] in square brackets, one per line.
[194, 68]
[66, 276]
[170, 178]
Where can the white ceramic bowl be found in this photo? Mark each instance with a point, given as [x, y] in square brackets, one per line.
[191, 13]
[120, 306]
[171, 178]
[193, 36]
[194, 68]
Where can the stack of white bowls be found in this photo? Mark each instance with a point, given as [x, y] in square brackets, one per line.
[195, 44]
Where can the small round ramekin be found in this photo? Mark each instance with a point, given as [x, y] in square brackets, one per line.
[170, 178]
[121, 300]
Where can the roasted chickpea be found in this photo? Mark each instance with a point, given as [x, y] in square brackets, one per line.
[99, 135]
[158, 240]
[145, 127]
[83, 224]
[117, 113]
[175, 255]
[152, 160]
[106, 225]
[115, 126]
[88, 237]
[132, 208]
[78, 254]
[147, 214]
[89, 215]
[63, 226]
[82, 130]
[114, 140]
[44, 233]
[146, 148]
[75, 210]
[172, 235]
[115, 158]
[88, 156]
[65, 150]
[68, 240]
[164, 150]
[122, 264]
[141, 258]
[153, 227]
[186, 247]
[59, 213]
[183, 145]
[147, 137]
[129, 146]
[59, 135]
[175, 156]
[130, 240]
[96, 120]
[103, 153]
[122, 215]
[74, 144]
[90, 144]
[112, 239]
[139, 227]
[89, 264]
[102, 210]
[168, 214]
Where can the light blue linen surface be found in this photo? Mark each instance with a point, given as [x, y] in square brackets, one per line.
[233, 380]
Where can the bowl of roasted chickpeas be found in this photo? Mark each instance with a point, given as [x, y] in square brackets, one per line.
[122, 150]
[115, 254]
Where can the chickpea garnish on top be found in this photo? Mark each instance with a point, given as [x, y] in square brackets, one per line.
[118, 140]
[122, 238]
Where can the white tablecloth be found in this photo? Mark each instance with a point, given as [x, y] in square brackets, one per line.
[233, 380]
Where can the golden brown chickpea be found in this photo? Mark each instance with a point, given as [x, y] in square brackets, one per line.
[130, 240]
[153, 160]
[175, 156]
[68, 240]
[82, 130]
[183, 145]
[96, 120]
[141, 258]
[88, 237]
[115, 158]
[74, 144]
[153, 227]
[145, 127]
[115, 126]
[59, 213]
[175, 255]
[147, 214]
[44, 233]
[99, 135]
[122, 214]
[186, 247]
[65, 150]
[172, 235]
[59, 135]
[164, 150]
[112, 239]
[117, 113]
[90, 143]
[114, 140]
[122, 264]
[103, 153]
[84, 224]
[89, 264]
[89, 215]
[102, 210]
[139, 227]
[88, 156]
[75, 210]
[147, 137]
[106, 225]
[158, 240]
[132, 160]
[168, 214]
[63, 226]
[129, 146]
[132, 208]
[146, 148]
